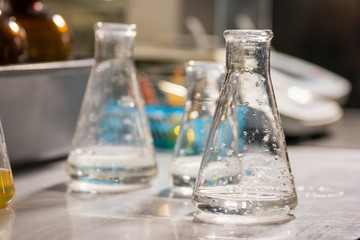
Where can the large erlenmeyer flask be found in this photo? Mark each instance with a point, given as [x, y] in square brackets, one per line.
[203, 80]
[6, 179]
[112, 148]
[245, 172]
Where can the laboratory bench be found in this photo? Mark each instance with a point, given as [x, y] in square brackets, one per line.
[327, 178]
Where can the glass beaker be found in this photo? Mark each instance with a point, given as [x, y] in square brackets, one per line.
[245, 174]
[112, 147]
[203, 80]
[6, 179]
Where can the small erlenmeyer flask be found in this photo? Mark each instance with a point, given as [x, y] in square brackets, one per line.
[112, 148]
[6, 179]
[245, 171]
[203, 80]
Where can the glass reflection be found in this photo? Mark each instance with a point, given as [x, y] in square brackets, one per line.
[7, 218]
[204, 231]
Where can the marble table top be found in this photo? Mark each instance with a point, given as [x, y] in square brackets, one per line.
[327, 181]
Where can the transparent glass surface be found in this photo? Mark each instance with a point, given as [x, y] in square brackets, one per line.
[203, 80]
[245, 171]
[7, 219]
[112, 148]
[6, 179]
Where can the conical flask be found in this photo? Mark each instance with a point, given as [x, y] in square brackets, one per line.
[203, 80]
[112, 147]
[6, 179]
[245, 174]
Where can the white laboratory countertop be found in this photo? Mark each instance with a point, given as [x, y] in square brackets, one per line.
[327, 180]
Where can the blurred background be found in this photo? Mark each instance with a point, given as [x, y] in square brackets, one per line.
[316, 55]
[323, 32]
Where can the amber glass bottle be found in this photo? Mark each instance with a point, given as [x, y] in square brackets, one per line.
[48, 34]
[13, 43]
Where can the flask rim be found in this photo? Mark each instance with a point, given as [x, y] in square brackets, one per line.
[204, 64]
[248, 35]
[119, 28]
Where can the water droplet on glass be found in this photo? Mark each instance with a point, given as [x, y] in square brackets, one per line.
[249, 172]
[267, 160]
[266, 130]
[266, 138]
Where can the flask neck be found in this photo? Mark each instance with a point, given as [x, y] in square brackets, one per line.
[203, 80]
[114, 41]
[248, 51]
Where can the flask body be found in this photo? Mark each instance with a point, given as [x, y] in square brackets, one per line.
[6, 178]
[112, 148]
[245, 170]
[203, 80]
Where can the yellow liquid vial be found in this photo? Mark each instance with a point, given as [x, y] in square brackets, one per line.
[7, 189]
